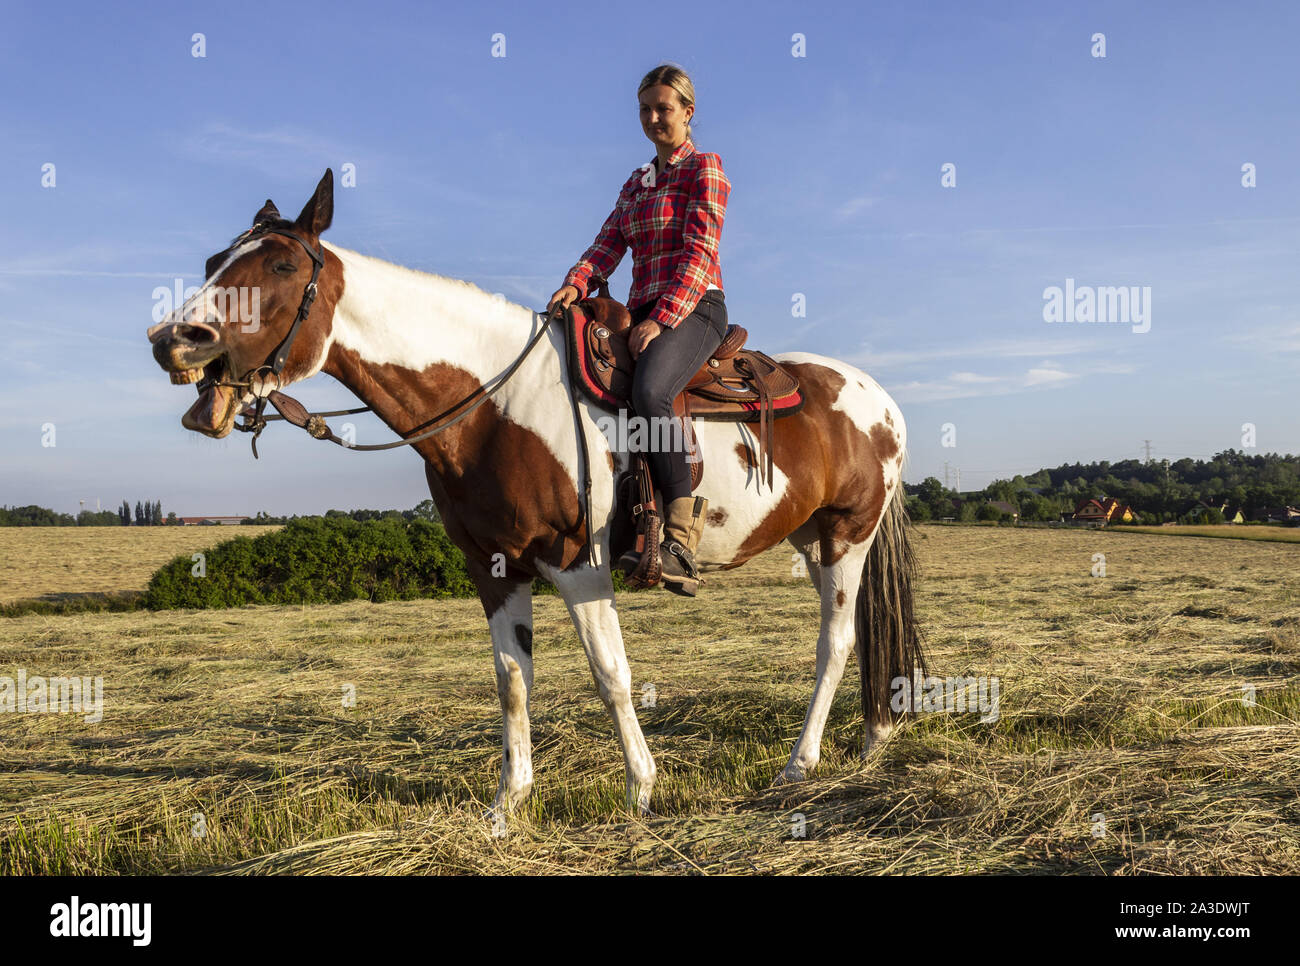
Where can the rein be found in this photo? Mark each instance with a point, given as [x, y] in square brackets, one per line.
[292, 411]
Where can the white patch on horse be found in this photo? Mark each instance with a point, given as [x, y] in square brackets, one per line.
[394, 315]
[205, 298]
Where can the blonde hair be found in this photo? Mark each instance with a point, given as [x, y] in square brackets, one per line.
[676, 78]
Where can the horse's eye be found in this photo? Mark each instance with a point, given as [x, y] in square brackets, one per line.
[285, 268]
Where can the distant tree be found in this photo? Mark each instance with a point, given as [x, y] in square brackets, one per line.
[918, 511]
[139, 514]
[932, 491]
[1038, 508]
[98, 518]
[988, 511]
[171, 519]
[157, 513]
[426, 510]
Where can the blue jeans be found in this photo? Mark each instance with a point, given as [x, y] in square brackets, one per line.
[662, 372]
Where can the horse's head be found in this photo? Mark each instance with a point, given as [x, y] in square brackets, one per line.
[233, 336]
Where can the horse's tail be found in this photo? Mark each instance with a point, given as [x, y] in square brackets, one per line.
[888, 637]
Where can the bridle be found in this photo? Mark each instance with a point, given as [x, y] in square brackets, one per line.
[292, 411]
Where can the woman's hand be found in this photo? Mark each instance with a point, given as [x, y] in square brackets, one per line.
[565, 295]
[640, 336]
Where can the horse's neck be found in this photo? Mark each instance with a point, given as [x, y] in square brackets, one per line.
[411, 345]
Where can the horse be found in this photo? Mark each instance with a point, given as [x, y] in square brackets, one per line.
[504, 473]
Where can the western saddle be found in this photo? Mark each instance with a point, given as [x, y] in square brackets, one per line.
[736, 385]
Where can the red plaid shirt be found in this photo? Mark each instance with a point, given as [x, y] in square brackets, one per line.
[672, 221]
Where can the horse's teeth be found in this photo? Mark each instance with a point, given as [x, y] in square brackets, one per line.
[186, 376]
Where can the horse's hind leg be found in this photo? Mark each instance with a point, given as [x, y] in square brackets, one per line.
[837, 581]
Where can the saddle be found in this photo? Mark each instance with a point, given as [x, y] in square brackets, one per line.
[735, 385]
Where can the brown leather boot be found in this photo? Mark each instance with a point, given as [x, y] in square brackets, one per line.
[683, 527]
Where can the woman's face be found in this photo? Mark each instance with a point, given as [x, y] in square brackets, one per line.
[663, 118]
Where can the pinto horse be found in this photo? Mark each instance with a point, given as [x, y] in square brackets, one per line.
[505, 478]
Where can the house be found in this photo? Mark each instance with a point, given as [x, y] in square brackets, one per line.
[1104, 511]
[1278, 514]
[211, 521]
[1003, 507]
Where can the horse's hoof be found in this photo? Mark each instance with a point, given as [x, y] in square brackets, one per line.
[877, 735]
[789, 776]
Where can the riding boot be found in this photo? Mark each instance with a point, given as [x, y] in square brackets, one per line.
[683, 527]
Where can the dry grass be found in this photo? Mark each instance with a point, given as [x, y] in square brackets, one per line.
[1225, 531]
[51, 562]
[1121, 697]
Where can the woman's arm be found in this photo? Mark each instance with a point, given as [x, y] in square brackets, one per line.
[604, 254]
[701, 230]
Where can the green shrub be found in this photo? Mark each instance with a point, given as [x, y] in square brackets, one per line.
[319, 561]
[315, 560]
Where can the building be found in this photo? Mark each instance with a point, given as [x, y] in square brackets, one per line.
[1278, 514]
[211, 521]
[1104, 511]
[1003, 507]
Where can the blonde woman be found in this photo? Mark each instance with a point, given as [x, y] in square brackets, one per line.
[670, 213]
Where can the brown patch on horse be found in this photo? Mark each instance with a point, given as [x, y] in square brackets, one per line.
[279, 297]
[716, 518]
[497, 486]
[836, 472]
[839, 597]
[884, 441]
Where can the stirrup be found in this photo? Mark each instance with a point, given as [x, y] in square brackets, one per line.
[673, 555]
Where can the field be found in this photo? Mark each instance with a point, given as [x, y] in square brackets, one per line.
[1128, 739]
[62, 561]
[1222, 531]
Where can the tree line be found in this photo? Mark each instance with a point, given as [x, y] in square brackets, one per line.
[1159, 491]
[148, 514]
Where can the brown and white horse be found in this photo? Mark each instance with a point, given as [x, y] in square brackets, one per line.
[411, 345]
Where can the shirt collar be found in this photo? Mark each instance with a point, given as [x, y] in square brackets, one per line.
[683, 150]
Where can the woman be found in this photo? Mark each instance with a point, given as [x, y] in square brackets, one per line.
[670, 212]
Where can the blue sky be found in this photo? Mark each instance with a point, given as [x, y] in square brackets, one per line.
[1116, 171]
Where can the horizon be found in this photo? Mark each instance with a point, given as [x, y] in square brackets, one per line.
[1156, 180]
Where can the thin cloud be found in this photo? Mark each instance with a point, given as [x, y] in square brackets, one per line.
[1003, 349]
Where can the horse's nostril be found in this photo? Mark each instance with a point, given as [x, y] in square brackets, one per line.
[198, 333]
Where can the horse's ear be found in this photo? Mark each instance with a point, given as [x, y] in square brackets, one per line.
[268, 212]
[318, 213]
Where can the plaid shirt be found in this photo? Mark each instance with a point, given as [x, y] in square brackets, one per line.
[672, 221]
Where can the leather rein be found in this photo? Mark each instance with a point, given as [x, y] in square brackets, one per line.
[292, 411]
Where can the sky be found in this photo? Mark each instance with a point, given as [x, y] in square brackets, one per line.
[834, 123]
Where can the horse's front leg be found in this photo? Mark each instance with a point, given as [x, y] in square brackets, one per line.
[589, 594]
[509, 606]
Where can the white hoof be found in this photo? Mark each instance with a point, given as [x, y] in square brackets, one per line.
[792, 773]
[877, 735]
[638, 798]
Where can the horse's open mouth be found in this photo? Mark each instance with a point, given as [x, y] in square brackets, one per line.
[213, 414]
